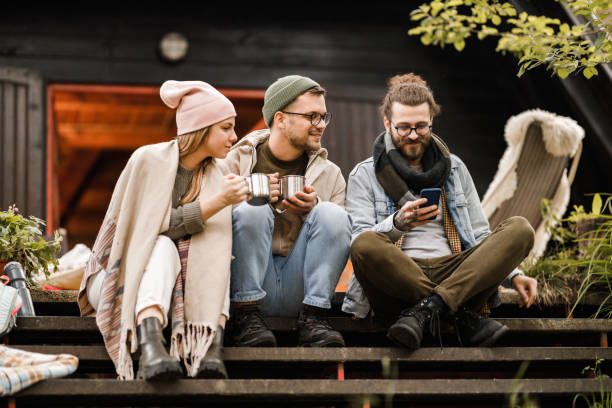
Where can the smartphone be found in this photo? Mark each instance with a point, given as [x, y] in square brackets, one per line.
[433, 198]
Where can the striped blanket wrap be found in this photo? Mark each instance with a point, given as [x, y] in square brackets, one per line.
[139, 211]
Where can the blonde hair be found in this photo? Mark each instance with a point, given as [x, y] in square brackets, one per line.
[187, 144]
[408, 89]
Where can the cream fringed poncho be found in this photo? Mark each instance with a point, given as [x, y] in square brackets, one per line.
[138, 212]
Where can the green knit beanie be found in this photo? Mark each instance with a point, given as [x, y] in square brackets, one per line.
[282, 92]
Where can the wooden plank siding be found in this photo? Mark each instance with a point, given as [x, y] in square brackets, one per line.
[21, 141]
[351, 52]
[354, 126]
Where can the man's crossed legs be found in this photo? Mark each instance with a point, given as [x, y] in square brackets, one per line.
[457, 285]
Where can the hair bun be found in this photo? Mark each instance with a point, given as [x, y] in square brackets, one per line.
[406, 79]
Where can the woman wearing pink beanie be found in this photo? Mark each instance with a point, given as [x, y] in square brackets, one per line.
[164, 248]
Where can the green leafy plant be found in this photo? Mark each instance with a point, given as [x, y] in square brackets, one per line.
[605, 395]
[535, 40]
[598, 209]
[21, 240]
[597, 267]
[576, 263]
[557, 277]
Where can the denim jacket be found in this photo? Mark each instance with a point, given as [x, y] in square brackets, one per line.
[371, 209]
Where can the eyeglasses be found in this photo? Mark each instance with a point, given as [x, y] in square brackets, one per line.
[315, 117]
[405, 131]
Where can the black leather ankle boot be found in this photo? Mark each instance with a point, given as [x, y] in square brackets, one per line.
[212, 366]
[413, 321]
[155, 363]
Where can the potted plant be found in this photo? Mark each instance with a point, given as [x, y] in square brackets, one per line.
[588, 224]
[21, 240]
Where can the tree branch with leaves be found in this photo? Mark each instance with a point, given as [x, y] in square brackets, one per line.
[535, 40]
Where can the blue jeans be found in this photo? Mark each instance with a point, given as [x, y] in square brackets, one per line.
[308, 275]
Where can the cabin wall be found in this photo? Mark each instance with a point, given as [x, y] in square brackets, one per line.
[22, 148]
[352, 55]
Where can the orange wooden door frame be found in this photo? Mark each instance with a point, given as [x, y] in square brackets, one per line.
[52, 215]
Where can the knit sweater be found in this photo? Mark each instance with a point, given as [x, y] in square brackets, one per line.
[185, 219]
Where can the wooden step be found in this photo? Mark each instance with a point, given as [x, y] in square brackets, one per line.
[367, 332]
[344, 324]
[368, 354]
[297, 392]
[508, 296]
[63, 303]
[367, 362]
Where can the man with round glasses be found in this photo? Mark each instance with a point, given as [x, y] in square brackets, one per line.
[289, 255]
[418, 263]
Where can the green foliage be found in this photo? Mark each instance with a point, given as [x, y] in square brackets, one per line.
[605, 396]
[21, 240]
[535, 40]
[598, 208]
[390, 370]
[516, 398]
[596, 263]
[576, 263]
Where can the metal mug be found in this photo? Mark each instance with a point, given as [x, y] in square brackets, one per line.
[259, 189]
[290, 185]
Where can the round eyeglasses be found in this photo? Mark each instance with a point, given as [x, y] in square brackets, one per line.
[420, 130]
[315, 117]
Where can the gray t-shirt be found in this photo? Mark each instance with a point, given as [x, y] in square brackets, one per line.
[427, 240]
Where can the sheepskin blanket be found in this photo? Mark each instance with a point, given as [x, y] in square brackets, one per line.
[562, 136]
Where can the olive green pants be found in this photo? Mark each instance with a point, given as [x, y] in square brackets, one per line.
[393, 281]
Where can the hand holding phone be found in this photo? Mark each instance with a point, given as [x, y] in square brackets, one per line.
[433, 198]
[418, 212]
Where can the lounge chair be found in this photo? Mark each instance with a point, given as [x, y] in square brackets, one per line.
[533, 167]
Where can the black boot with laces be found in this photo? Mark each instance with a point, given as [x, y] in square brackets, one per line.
[249, 329]
[425, 315]
[314, 329]
[476, 330]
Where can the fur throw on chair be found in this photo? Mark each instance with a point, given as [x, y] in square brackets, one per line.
[562, 136]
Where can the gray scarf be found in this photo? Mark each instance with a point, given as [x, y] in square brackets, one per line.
[398, 178]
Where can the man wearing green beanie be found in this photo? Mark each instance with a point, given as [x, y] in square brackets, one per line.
[289, 255]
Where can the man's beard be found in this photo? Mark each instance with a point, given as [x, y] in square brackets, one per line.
[303, 143]
[423, 142]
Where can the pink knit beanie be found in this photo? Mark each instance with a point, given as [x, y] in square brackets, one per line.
[197, 104]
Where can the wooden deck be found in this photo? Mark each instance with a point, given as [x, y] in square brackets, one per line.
[557, 350]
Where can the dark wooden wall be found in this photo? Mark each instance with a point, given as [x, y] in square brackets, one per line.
[22, 151]
[350, 51]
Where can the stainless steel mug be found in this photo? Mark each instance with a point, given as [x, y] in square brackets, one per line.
[259, 189]
[290, 185]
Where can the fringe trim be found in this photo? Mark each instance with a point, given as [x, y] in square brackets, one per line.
[191, 345]
[125, 367]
